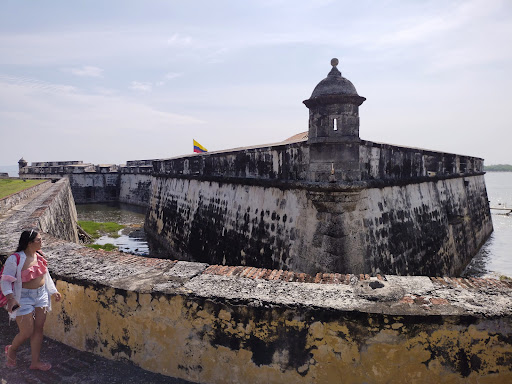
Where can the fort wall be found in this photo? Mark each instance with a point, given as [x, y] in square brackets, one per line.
[57, 214]
[104, 183]
[93, 187]
[398, 210]
[135, 189]
[288, 163]
[406, 210]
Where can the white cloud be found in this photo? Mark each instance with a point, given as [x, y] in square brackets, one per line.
[178, 40]
[30, 84]
[54, 123]
[421, 27]
[217, 56]
[86, 71]
[141, 86]
[172, 75]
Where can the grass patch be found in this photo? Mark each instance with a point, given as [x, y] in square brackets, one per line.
[96, 230]
[106, 247]
[10, 186]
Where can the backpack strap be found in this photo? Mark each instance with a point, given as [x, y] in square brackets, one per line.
[17, 258]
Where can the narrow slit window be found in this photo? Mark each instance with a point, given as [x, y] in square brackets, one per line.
[335, 124]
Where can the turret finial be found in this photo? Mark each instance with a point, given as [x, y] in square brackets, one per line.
[334, 71]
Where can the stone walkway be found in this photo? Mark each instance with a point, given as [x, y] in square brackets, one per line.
[14, 219]
[19, 210]
[69, 365]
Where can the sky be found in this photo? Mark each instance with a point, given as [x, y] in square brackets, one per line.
[111, 81]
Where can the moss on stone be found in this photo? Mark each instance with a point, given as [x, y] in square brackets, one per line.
[96, 229]
[105, 247]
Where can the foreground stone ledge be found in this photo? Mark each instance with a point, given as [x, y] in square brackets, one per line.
[405, 295]
[222, 324]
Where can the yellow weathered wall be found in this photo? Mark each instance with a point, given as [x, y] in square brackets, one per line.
[215, 342]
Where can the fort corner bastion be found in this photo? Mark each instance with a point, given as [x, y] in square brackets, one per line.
[281, 263]
[321, 201]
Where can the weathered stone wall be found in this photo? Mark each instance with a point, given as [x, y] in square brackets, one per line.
[383, 162]
[374, 208]
[56, 163]
[273, 162]
[432, 227]
[354, 206]
[377, 164]
[135, 188]
[52, 170]
[230, 223]
[95, 187]
[57, 215]
[101, 183]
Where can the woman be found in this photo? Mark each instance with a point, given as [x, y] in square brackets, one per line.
[28, 288]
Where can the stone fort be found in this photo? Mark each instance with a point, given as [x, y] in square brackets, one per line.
[284, 262]
[322, 201]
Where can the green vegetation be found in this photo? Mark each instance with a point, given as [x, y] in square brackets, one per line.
[96, 230]
[10, 186]
[106, 247]
[498, 168]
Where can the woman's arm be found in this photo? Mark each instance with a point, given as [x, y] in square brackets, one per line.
[50, 285]
[9, 275]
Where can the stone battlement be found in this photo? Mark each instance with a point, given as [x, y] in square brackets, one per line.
[289, 163]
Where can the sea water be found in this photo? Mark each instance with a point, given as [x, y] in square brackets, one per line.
[495, 257]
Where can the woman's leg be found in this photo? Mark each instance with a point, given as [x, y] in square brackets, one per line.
[26, 327]
[36, 339]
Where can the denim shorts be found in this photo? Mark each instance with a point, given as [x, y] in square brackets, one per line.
[32, 299]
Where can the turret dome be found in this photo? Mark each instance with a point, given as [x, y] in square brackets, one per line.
[334, 89]
[334, 84]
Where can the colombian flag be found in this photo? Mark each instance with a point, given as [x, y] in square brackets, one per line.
[198, 148]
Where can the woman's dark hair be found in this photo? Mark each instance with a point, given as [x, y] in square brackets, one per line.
[27, 236]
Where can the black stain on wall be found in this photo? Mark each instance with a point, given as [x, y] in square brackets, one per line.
[286, 341]
[223, 232]
[66, 320]
[90, 344]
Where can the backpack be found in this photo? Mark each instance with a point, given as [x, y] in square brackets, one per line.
[3, 299]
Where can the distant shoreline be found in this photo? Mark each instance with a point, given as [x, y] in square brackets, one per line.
[498, 168]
